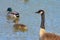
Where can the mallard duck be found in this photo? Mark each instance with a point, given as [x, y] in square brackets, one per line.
[12, 15]
[43, 34]
[15, 17]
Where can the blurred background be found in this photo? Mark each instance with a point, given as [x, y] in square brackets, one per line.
[27, 9]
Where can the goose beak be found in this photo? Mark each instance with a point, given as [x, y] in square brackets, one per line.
[40, 11]
[37, 12]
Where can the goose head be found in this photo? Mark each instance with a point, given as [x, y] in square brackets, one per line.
[42, 27]
[40, 12]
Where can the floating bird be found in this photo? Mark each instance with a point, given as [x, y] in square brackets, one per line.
[15, 17]
[12, 15]
[43, 34]
[19, 27]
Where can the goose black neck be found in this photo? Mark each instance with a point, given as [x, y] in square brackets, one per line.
[42, 21]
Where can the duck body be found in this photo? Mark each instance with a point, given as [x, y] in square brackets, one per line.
[20, 27]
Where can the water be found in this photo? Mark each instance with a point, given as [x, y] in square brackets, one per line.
[29, 18]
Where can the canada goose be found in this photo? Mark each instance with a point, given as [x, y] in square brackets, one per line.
[12, 15]
[19, 27]
[43, 34]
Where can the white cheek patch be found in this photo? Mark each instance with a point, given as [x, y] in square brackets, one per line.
[41, 12]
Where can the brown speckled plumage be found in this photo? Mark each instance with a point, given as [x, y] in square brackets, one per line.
[50, 36]
[20, 27]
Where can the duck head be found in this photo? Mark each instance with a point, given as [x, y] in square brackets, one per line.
[9, 9]
[13, 16]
